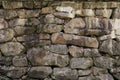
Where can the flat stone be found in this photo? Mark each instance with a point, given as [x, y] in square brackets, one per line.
[20, 61]
[6, 35]
[87, 78]
[65, 74]
[116, 14]
[59, 49]
[33, 22]
[104, 62]
[28, 4]
[12, 48]
[38, 56]
[3, 24]
[76, 51]
[114, 24]
[44, 36]
[40, 72]
[84, 72]
[105, 77]
[47, 10]
[88, 12]
[81, 63]
[10, 14]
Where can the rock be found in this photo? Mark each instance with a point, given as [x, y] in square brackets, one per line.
[28, 4]
[44, 36]
[37, 4]
[75, 23]
[20, 61]
[59, 49]
[104, 62]
[65, 74]
[19, 30]
[6, 35]
[11, 5]
[40, 72]
[52, 28]
[33, 22]
[104, 13]
[17, 22]
[76, 51]
[105, 77]
[3, 24]
[12, 49]
[28, 13]
[88, 12]
[87, 78]
[115, 70]
[116, 13]
[38, 56]
[64, 12]
[10, 14]
[81, 63]
[73, 31]
[117, 76]
[47, 10]
[4, 78]
[84, 72]
[114, 24]
[97, 71]
[7, 61]
[49, 18]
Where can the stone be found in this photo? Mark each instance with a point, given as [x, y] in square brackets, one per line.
[3, 24]
[37, 4]
[87, 78]
[65, 74]
[72, 31]
[84, 72]
[52, 28]
[115, 70]
[28, 4]
[88, 13]
[7, 61]
[38, 56]
[59, 49]
[81, 63]
[17, 22]
[104, 62]
[97, 71]
[10, 14]
[28, 13]
[6, 35]
[49, 18]
[33, 22]
[64, 12]
[89, 5]
[44, 36]
[105, 77]
[114, 24]
[57, 38]
[104, 13]
[4, 78]
[20, 61]
[12, 48]
[117, 76]
[40, 72]
[76, 51]
[19, 30]
[12, 5]
[47, 10]
[116, 14]
[75, 23]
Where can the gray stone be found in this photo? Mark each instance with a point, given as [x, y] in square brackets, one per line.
[4, 78]
[38, 56]
[10, 14]
[117, 76]
[88, 12]
[115, 70]
[12, 48]
[59, 49]
[20, 61]
[44, 36]
[47, 10]
[49, 19]
[114, 24]
[116, 13]
[87, 78]
[84, 72]
[6, 35]
[81, 63]
[28, 4]
[40, 72]
[65, 74]
[52, 28]
[104, 62]
[105, 77]
[76, 51]
[33, 22]
[3, 24]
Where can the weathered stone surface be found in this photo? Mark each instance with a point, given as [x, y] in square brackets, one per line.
[65, 74]
[12, 48]
[33, 22]
[104, 13]
[87, 78]
[88, 13]
[10, 14]
[59, 49]
[75, 23]
[52, 28]
[114, 24]
[3, 24]
[65, 12]
[39, 72]
[117, 76]
[19, 30]
[81, 63]
[84, 72]
[6, 35]
[7, 61]
[47, 10]
[4, 78]
[20, 61]
[28, 13]
[44, 36]
[38, 56]
[104, 62]
[116, 13]
[76, 51]
[17, 22]
[12, 5]
[28, 4]
[105, 77]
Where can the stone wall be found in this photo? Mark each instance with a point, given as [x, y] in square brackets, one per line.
[59, 40]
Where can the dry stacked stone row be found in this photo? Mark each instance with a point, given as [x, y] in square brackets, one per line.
[59, 40]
